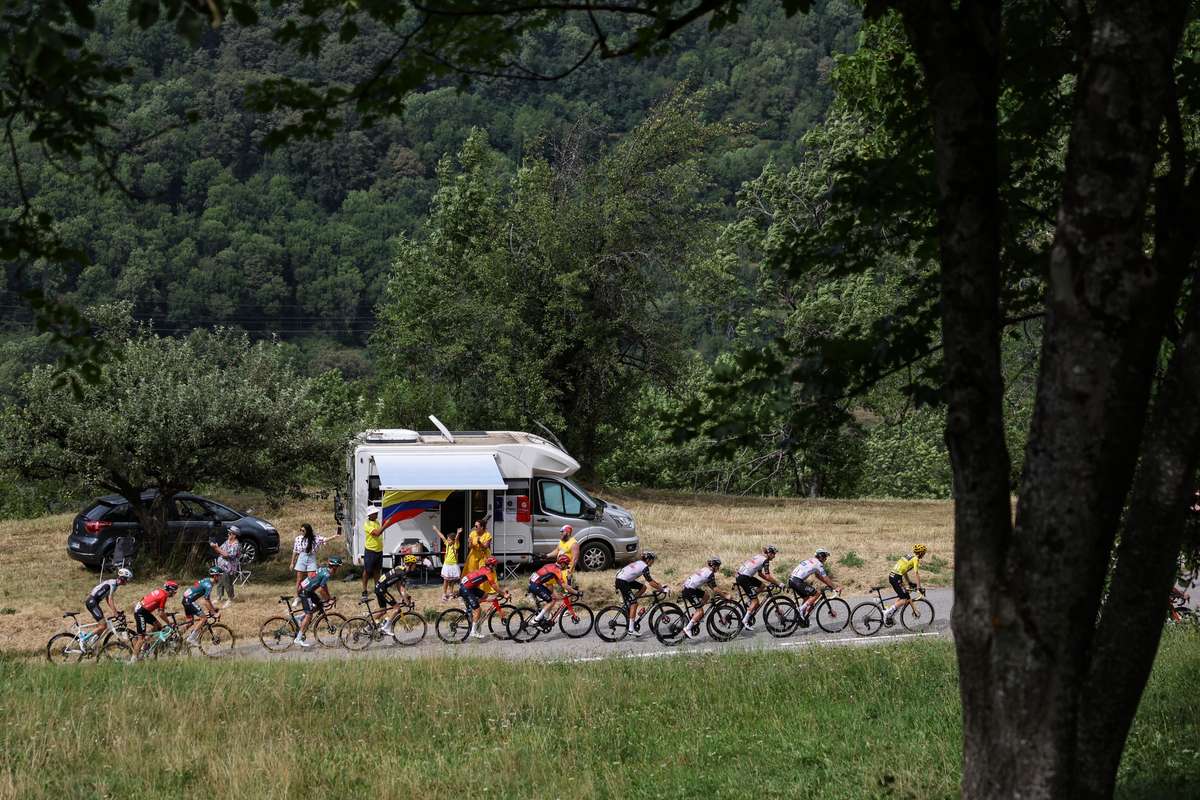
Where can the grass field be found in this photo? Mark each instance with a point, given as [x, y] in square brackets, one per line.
[846, 723]
[865, 537]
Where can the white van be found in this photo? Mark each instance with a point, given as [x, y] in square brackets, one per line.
[519, 480]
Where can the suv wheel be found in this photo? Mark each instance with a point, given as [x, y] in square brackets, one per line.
[595, 556]
[249, 550]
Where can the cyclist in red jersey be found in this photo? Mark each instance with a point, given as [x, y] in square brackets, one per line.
[539, 587]
[474, 586]
[149, 611]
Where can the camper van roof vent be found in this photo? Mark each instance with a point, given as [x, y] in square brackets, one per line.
[393, 435]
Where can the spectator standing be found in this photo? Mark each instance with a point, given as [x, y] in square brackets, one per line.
[450, 569]
[229, 561]
[304, 552]
[480, 543]
[372, 548]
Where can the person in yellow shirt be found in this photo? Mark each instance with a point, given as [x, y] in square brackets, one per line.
[567, 546]
[901, 573]
[450, 568]
[372, 548]
[480, 545]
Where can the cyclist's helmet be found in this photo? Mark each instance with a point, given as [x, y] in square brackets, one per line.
[714, 562]
[491, 561]
[567, 529]
[920, 549]
[124, 575]
[214, 572]
[171, 587]
[564, 560]
[649, 555]
[336, 561]
[770, 550]
[410, 560]
[821, 553]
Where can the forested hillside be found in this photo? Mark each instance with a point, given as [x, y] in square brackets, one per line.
[598, 254]
[214, 229]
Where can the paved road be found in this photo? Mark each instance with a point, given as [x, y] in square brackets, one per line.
[556, 647]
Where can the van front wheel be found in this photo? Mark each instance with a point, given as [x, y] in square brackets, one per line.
[595, 556]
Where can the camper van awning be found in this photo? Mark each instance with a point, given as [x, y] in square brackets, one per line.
[421, 471]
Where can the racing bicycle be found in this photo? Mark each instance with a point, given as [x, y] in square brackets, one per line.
[612, 622]
[574, 619]
[868, 617]
[454, 624]
[408, 627]
[278, 634]
[89, 641]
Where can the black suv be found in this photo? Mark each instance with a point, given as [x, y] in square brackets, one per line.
[190, 519]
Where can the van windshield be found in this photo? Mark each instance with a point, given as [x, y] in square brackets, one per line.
[579, 490]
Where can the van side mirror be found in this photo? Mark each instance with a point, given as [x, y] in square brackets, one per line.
[589, 513]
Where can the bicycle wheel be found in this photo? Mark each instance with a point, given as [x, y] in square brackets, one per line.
[578, 624]
[668, 627]
[612, 624]
[63, 648]
[357, 633]
[520, 625]
[781, 616]
[497, 620]
[453, 626]
[216, 641]
[833, 615]
[326, 628]
[171, 647]
[115, 649]
[724, 621]
[917, 616]
[408, 629]
[866, 619]
[278, 634]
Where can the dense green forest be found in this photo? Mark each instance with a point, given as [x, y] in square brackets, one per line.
[590, 254]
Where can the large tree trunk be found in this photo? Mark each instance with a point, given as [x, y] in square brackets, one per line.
[1028, 596]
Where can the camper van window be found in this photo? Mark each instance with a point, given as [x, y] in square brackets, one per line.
[557, 499]
[579, 490]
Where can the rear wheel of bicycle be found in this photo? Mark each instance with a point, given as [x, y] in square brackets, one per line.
[63, 649]
[866, 619]
[917, 616]
[576, 622]
[612, 624]
[781, 616]
[171, 647]
[668, 627]
[833, 615]
[453, 626]
[326, 628]
[520, 625]
[408, 629]
[724, 621]
[217, 641]
[115, 649]
[278, 634]
[357, 633]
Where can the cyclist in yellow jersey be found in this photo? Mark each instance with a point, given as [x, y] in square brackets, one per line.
[900, 574]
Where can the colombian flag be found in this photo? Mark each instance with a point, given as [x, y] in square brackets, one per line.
[402, 504]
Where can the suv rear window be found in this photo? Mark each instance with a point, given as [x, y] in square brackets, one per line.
[97, 511]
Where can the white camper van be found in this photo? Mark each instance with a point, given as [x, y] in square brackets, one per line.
[522, 481]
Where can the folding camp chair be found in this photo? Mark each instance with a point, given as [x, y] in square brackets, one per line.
[124, 551]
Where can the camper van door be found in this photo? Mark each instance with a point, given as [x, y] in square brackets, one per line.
[511, 521]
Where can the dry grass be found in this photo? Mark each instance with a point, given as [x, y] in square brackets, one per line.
[40, 582]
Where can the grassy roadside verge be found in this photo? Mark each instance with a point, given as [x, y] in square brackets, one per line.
[879, 722]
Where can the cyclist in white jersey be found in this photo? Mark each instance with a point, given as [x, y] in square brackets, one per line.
[750, 575]
[631, 588]
[800, 585]
[695, 593]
